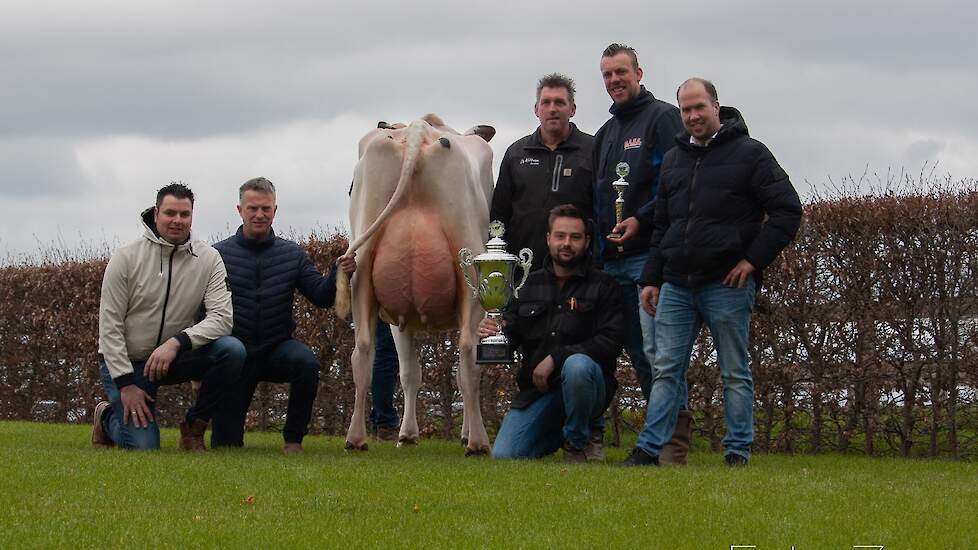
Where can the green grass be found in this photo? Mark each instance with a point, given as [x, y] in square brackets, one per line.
[58, 492]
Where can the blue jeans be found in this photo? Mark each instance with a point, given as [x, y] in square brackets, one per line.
[289, 362]
[640, 340]
[384, 379]
[217, 366]
[679, 315]
[564, 414]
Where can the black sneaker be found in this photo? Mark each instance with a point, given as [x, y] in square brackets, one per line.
[735, 460]
[640, 458]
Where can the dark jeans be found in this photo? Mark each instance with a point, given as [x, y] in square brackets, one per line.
[384, 379]
[290, 362]
[217, 366]
[564, 415]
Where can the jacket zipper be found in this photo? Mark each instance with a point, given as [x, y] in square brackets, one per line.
[166, 299]
[555, 180]
[689, 215]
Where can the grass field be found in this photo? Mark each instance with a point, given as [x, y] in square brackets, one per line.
[58, 492]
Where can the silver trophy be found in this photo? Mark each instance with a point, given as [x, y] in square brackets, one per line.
[620, 186]
[495, 270]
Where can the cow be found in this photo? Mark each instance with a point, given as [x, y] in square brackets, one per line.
[420, 193]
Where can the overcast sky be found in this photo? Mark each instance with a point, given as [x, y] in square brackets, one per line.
[103, 102]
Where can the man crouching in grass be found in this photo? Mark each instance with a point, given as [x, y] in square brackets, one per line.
[152, 291]
[569, 325]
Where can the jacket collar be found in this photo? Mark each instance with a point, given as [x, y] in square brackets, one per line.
[632, 106]
[572, 141]
[239, 237]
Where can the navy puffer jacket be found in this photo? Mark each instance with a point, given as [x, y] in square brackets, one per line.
[264, 276]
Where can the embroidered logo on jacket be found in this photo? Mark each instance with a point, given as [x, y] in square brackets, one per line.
[530, 160]
[633, 143]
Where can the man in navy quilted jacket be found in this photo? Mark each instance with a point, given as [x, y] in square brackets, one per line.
[264, 272]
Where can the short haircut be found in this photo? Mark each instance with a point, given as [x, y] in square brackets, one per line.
[557, 80]
[616, 48]
[710, 88]
[566, 211]
[177, 189]
[262, 185]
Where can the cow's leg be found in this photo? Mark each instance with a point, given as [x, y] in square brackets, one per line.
[465, 418]
[365, 320]
[407, 356]
[469, 378]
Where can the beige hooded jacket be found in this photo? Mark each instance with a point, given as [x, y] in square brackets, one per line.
[152, 290]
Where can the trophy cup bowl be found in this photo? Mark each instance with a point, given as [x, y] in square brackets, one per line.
[495, 271]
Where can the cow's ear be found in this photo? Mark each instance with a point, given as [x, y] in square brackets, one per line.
[483, 131]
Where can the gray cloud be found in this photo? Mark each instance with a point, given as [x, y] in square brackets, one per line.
[102, 98]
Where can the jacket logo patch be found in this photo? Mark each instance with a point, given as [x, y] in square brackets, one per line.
[530, 160]
[567, 172]
[633, 143]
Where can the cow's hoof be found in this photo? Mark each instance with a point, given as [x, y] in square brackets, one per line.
[465, 442]
[411, 440]
[478, 451]
[350, 446]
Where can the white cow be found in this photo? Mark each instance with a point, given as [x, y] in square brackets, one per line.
[420, 193]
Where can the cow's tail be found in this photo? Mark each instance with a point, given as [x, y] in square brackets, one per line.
[415, 139]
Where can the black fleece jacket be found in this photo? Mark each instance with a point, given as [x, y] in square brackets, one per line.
[532, 180]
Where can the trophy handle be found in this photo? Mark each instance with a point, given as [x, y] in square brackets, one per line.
[466, 260]
[526, 258]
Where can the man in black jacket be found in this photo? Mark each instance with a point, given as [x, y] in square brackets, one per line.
[264, 272]
[549, 167]
[636, 137]
[725, 210]
[569, 325]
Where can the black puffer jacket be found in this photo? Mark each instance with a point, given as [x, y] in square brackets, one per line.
[711, 208]
[264, 276]
[639, 134]
[586, 316]
[532, 180]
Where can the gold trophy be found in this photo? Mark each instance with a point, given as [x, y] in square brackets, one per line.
[620, 186]
[496, 270]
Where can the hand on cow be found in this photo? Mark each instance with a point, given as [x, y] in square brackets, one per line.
[542, 372]
[159, 361]
[348, 263]
[628, 228]
[649, 299]
[738, 275]
[135, 405]
[488, 327]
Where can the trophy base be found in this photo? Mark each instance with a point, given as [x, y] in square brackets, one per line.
[493, 354]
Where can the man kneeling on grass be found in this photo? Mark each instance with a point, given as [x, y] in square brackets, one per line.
[152, 291]
[569, 326]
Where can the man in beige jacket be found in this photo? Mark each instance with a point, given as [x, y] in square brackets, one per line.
[152, 291]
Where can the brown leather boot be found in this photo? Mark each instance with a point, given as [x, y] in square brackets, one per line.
[675, 451]
[192, 435]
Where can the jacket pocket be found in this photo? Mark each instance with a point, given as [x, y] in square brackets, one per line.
[577, 321]
[532, 319]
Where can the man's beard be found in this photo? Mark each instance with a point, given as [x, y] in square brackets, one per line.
[577, 260]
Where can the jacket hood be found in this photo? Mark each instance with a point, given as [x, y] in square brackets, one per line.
[149, 232]
[733, 126]
[632, 106]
